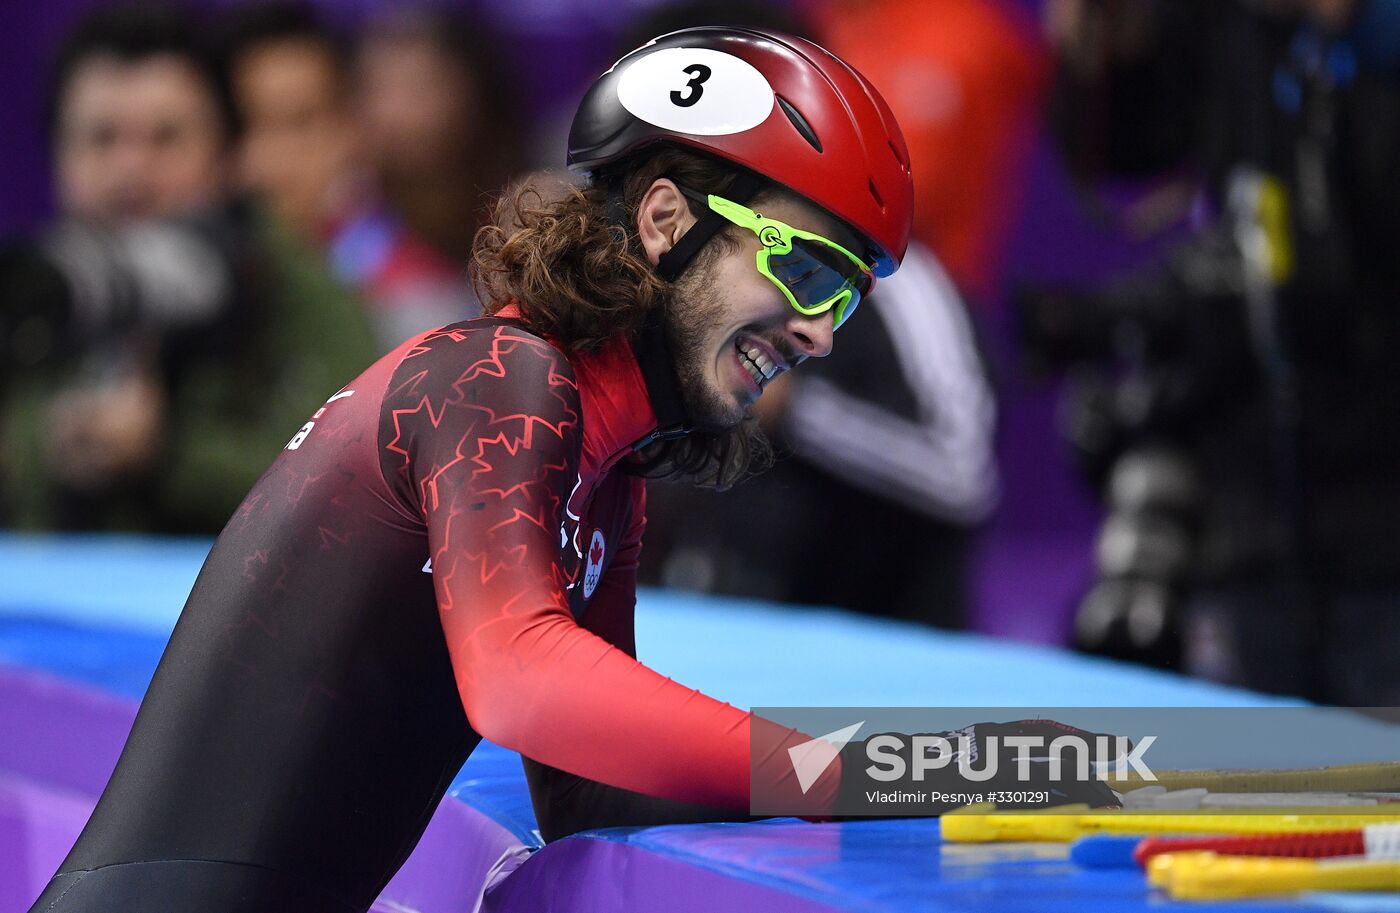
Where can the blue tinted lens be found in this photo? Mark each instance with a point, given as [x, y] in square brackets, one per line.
[816, 275]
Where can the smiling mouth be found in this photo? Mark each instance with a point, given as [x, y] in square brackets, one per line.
[753, 359]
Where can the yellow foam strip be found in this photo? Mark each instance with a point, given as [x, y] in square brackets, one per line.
[977, 824]
[1207, 876]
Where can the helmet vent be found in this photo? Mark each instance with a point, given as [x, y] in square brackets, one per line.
[898, 156]
[874, 192]
[800, 123]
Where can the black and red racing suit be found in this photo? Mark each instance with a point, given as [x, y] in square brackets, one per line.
[444, 552]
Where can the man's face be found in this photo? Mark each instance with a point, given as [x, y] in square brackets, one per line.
[731, 329]
[298, 136]
[138, 139]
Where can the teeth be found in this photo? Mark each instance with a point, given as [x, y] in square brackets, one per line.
[760, 360]
[750, 361]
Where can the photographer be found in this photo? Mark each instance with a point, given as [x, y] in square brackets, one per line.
[1259, 416]
[161, 343]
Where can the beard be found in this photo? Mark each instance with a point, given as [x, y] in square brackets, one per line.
[691, 311]
[725, 444]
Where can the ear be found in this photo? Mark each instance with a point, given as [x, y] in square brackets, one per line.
[662, 218]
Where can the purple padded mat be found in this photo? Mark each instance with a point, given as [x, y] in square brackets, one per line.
[73, 734]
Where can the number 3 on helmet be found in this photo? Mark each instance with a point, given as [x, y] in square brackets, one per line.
[777, 105]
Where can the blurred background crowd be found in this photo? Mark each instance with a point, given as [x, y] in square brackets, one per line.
[1132, 390]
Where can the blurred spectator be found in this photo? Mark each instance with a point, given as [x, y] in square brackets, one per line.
[290, 76]
[301, 152]
[1247, 412]
[965, 79]
[140, 123]
[886, 467]
[440, 132]
[440, 121]
[164, 343]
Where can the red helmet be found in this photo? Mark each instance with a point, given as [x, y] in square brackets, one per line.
[777, 105]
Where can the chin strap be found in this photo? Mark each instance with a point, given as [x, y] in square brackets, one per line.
[650, 346]
[653, 353]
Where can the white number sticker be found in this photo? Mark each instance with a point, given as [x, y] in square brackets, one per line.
[695, 90]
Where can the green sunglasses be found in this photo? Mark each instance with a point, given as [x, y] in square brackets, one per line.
[815, 274]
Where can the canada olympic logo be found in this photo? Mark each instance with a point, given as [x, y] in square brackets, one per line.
[596, 550]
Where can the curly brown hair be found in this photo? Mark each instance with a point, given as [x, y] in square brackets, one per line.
[572, 261]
